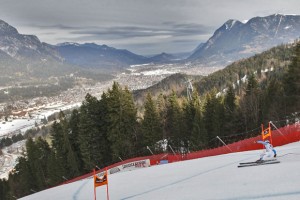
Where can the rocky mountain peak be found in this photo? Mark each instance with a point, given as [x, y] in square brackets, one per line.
[230, 23]
[5, 29]
[235, 40]
[24, 47]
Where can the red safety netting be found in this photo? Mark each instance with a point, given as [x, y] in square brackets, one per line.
[282, 136]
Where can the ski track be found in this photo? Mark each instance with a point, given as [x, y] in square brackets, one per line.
[185, 179]
[79, 189]
[284, 184]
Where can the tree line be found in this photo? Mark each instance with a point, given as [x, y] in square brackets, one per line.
[103, 131]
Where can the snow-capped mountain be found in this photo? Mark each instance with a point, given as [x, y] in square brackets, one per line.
[24, 58]
[20, 47]
[235, 39]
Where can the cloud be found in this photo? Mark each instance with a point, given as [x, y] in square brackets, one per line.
[55, 26]
[168, 24]
[169, 30]
[165, 35]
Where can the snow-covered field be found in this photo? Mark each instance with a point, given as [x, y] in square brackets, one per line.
[8, 160]
[16, 125]
[214, 178]
[10, 154]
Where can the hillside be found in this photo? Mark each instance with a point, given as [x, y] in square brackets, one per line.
[272, 61]
[235, 40]
[30, 68]
[175, 82]
[101, 57]
[276, 59]
[25, 58]
[215, 177]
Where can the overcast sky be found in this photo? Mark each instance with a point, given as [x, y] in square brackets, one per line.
[141, 26]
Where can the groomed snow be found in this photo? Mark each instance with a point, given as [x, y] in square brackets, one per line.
[214, 178]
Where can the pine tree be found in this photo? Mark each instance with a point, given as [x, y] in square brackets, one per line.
[273, 101]
[151, 125]
[74, 138]
[63, 148]
[103, 125]
[174, 123]
[251, 104]
[188, 114]
[90, 137]
[25, 175]
[292, 82]
[57, 137]
[229, 111]
[122, 122]
[34, 160]
[71, 161]
[199, 138]
[4, 190]
[162, 111]
[43, 153]
[55, 170]
[213, 117]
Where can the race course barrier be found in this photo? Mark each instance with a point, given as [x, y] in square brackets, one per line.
[282, 136]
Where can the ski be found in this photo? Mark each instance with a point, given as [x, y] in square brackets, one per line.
[246, 163]
[257, 164]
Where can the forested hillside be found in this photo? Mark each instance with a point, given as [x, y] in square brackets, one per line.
[273, 61]
[175, 83]
[102, 131]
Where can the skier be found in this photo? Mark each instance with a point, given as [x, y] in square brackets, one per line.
[269, 153]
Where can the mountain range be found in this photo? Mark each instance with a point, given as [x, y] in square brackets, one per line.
[23, 56]
[91, 55]
[23, 47]
[109, 59]
[235, 40]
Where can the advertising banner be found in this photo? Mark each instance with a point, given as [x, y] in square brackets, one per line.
[130, 166]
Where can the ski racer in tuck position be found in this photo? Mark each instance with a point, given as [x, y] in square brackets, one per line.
[269, 153]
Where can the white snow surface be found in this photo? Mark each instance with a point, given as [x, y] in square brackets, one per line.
[157, 72]
[16, 124]
[213, 178]
[25, 124]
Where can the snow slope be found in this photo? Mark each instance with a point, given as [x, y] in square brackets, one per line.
[213, 178]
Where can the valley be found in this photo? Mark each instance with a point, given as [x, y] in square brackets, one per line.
[19, 116]
[136, 77]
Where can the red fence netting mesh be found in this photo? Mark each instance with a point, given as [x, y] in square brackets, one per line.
[282, 136]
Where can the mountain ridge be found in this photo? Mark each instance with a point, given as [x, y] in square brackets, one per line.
[91, 55]
[235, 40]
